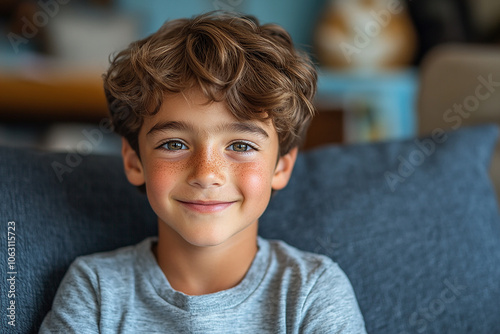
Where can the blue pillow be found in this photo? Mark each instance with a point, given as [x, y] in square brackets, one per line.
[62, 206]
[413, 223]
[415, 226]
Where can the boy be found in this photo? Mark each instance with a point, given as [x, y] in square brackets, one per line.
[212, 111]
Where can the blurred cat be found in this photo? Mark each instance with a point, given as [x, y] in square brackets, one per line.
[365, 34]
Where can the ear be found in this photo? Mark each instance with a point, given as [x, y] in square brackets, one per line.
[284, 169]
[132, 164]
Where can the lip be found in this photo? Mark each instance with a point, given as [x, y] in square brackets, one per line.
[206, 206]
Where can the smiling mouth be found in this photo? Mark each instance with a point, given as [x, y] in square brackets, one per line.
[206, 206]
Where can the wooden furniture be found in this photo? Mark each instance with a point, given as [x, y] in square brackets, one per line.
[52, 94]
[326, 127]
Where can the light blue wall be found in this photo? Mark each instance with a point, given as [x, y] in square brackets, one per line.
[298, 17]
[154, 12]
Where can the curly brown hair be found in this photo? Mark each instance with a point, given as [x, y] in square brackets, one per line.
[253, 68]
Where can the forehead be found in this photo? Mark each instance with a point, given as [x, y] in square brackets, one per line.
[192, 111]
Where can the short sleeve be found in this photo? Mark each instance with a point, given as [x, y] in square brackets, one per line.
[331, 305]
[75, 307]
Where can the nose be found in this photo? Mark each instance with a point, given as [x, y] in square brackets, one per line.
[207, 169]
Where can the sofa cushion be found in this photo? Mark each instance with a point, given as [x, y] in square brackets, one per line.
[63, 206]
[414, 224]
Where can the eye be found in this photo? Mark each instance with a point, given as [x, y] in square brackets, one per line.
[240, 147]
[174, 145]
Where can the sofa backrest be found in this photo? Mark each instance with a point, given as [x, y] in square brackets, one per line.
[460, 86]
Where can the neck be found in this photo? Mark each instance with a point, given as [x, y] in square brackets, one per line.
[196, 270]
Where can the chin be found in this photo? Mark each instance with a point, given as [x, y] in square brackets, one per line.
[206, 240]
[212, 237]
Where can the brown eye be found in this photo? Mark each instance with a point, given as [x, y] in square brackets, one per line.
[174, 146]
[241, 147]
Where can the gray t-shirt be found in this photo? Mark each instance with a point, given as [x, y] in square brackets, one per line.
[284, 291]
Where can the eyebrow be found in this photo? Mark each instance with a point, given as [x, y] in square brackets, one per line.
[240, 127]
[166, 126]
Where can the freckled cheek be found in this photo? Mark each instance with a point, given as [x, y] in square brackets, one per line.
[162, 177]
[254, 180]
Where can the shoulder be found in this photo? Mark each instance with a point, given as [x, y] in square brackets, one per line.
[305, 272]
[319, 289]
[309, 266]
[119, 260]
[96, 285]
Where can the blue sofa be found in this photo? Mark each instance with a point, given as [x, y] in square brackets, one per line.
[414, 224]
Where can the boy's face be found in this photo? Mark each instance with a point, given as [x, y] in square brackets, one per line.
[208, 176]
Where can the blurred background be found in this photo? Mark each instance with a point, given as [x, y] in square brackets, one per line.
[369, 53]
